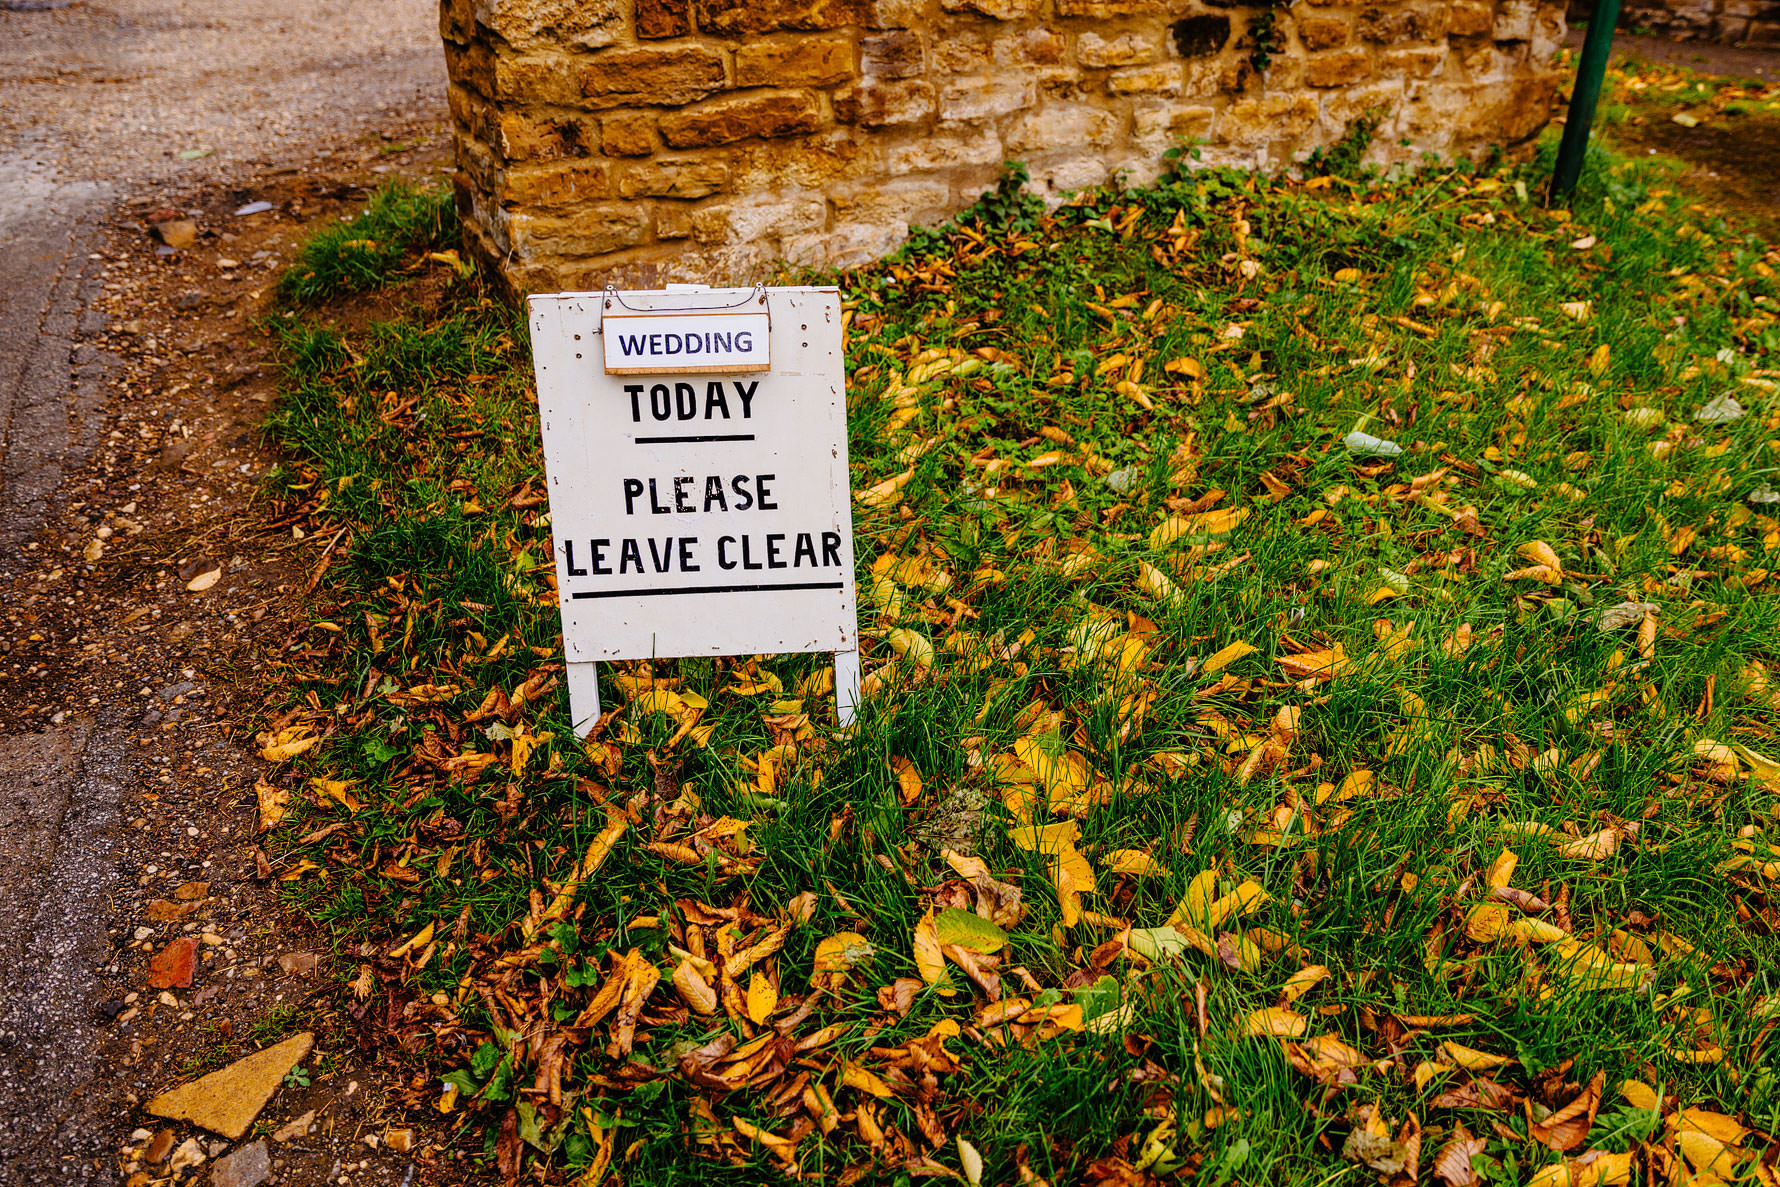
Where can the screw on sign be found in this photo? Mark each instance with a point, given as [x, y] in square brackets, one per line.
[695, 449]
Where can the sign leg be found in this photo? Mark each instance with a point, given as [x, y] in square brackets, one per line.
[846, 685]
[584, 697]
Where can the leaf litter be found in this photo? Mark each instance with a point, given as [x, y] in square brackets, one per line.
[1296, 794]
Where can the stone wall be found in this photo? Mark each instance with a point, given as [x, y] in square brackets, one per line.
[641, 141]
[1735, 22]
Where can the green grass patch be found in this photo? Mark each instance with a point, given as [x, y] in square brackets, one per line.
[1231, 800]
[369, 250]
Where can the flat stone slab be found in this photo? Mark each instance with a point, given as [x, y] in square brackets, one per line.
[247, 1167]
[227, 1101]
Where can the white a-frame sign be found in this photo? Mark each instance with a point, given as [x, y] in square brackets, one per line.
[695, 444]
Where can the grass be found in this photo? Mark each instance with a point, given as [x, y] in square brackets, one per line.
[366, 251]
[1329, 808]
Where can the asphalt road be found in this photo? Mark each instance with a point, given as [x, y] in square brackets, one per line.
[103, 104]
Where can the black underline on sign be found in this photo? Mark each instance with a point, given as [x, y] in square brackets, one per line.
[691, 440]
[702, 589]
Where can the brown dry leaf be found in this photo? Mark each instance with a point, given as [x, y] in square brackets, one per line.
[1276, 1022]
[1697, 1120]
[763, 998]
[1303, 981]
[1312, 667]
[286, 744]
[694, 989]
[1541, 553]
[930, 962]
[1501, 871]
[908, 780]
[1640, 1095]
[1706, 1154]
[1134, 863]
[1223, 658]
[274, 803]
[1597, 846]
[1471, 1059]
[1566, 1128]
[1452, 1165]
[1486, 922]
[1194, 908]
[887, 493]
[1071, 873]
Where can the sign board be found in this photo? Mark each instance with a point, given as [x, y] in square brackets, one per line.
[695, 449]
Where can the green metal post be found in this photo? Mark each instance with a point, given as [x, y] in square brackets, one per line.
[1587, 91]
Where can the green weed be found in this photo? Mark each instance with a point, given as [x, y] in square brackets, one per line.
[368, 250]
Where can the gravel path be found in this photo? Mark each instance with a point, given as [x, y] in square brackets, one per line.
[107, 105]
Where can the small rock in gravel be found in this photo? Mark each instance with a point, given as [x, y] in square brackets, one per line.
[190, 1153]
[399, 1140]
[177, 233]
[159, 1147]
[295, 1128]
[296, 964]
[249, 1166]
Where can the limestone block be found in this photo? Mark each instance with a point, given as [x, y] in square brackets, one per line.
[556, 183]
[1001, 10]
[1267, 119]
[1286, 72]
[959, 54]
[795, 62]
[1338, 67]
[812, 162]
[628, 133]
[1386, 94]
[847, 246]
[945, 145]
[878, 104]
[1200, 36]
[1515, 20]
[1470, 18]
[1053, 179]
[985, 95]
[1392, 23]
[588, 24]
[731, 18]
[1031, 47]
[663, 18]
[896, 14]
[1157, 127]
[908, 199]
[1163, 78]
[537, 78]
[519, 136]
[457, 20]
[471, 66]
[590, 231]
[1415, 61]
[675, 177]
[651, 75]
[673, 221]
[752, 219]
[1110, 8]
[1320, 30]
[1126, 49]
[1055, 127]
[725, 121]
[896, 54]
